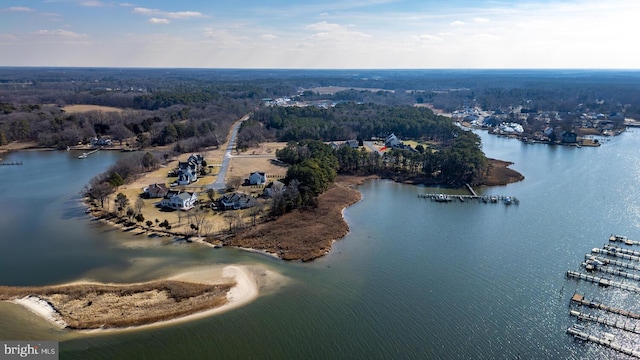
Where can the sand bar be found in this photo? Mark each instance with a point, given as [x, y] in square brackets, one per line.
[243, 291]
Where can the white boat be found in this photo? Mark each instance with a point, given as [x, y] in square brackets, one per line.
[507, 200]
[83, 156]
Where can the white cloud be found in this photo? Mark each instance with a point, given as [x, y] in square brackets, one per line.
[335, 32]
[457, 23]
[158, 21]
[60, 33]
[93, 3]
[269, 36]
[168, 14]
[481, 20]
[17, 9]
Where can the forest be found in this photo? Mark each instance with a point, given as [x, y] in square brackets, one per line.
[192, 108]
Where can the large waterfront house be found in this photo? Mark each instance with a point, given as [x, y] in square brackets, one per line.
[179, 200]
[235, 201]
[156, 191]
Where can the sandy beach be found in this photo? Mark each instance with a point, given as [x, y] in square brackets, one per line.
[243, 291]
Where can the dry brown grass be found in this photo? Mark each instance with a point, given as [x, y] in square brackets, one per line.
[500, 174]
[92, 306]
[306, 234]
[71, 109]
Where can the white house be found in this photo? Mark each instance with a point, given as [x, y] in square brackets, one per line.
[392, 141]
[180, 201]
[257, 178]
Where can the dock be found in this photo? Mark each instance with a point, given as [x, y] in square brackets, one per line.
[623, 239]
[618, 249]
[604, 321]
[606, 261]
[507, 200]
[580, 300]
[602, 281]
[11, 163]
[616, 272]
[606, 341]
[615, 254]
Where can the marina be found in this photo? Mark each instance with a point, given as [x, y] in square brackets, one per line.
[594, 310]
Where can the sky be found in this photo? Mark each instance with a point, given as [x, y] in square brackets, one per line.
[321, 34]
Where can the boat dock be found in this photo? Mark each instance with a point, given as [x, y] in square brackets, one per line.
[617, 272]
[580, 300]
[11, 163]
[618, 249]
[606, 341]
[615, 254]
[602, 281]
[606, 261]
[604, 321]
[507, 200]
[623, 239]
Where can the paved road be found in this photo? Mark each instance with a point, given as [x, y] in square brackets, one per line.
[219, 183]
[370, 145]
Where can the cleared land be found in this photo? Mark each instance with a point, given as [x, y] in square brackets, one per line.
[71, 109]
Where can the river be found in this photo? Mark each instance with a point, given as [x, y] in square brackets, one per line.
[414, 279]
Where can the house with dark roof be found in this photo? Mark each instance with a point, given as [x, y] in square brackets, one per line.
[274, 188]
[156, 191]
[235, 201]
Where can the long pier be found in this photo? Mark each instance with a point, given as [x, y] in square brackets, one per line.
[617, 272]
[606, 341]
[580, 300]
[508, 200]
[612, 262]
[11, 163]
[615, 253]
[623, 239]
[618, 249]
[601, 281]
[609, 322]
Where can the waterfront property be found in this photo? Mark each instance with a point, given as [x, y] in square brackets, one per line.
[235, 201]
[156, 191]
[179, 200]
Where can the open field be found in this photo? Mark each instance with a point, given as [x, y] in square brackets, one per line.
[72, 109]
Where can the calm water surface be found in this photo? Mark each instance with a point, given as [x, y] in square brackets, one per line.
[414, 279]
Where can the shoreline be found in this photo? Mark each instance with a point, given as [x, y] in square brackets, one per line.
[242, 293]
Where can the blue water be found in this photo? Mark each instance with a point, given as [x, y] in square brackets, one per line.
[413, 279]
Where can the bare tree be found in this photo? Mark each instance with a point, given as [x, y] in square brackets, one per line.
[255, 211]
[139, 205]
[197, 218]
[234, 182]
